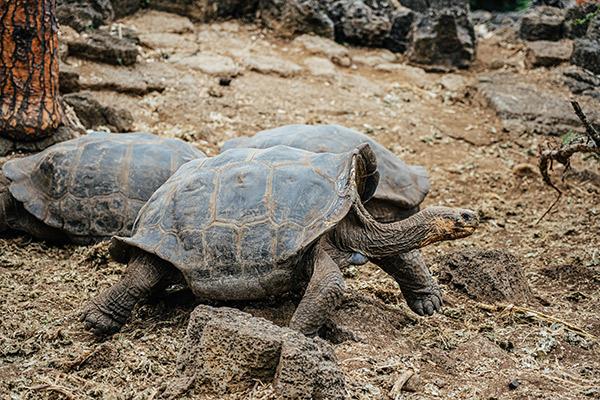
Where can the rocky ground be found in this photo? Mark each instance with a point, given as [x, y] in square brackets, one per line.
[477, 132]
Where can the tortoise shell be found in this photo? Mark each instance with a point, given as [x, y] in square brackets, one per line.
[92, 187]
[234, 224]
[405, 186]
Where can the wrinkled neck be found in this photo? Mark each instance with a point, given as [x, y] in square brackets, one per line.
[360, 232]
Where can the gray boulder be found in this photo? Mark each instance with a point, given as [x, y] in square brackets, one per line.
[586, 54]
[444, 36]
[206, 10]
[375, 23]
[227, 350]
[84, 14]
[578, 19]
[551, 3]
[293, 17]
[586, 51]
[126, 7]
[543, 23]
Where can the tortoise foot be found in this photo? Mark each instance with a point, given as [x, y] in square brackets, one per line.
[425, 302]
[99, 322]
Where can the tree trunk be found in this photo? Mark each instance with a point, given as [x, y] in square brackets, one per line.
[30, 107]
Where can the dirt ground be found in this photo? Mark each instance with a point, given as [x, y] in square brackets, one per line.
[469, 351]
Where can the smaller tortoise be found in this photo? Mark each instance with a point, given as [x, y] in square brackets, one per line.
[399, 194]
[254, 224]
[90, 188]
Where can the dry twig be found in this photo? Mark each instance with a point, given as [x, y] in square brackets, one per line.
[395, 392]
[536, 315]
[590, 143]
[55, 388]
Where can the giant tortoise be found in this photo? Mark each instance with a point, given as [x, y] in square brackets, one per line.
[401, 190]
[90, 188]
[253, 224]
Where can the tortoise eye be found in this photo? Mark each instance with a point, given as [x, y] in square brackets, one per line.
[466, 216]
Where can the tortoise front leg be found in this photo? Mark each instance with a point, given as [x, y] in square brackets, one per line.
[107, 312]
[322, 296]
[418, 287]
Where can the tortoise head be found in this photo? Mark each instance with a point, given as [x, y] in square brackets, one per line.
[447, 223]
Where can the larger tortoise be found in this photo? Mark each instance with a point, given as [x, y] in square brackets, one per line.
[252, 224]
[90, 188]
[399, 194]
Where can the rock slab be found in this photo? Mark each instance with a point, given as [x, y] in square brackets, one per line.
[103, 47]
[544, 53]
[227, 350]
[94, 115]
[524, 107]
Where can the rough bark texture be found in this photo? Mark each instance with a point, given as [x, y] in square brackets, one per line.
[30, 108]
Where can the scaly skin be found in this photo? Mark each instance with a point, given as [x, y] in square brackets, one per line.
[421, 292]
[107, 312]
[418, 287]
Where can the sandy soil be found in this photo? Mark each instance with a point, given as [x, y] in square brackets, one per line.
[466, 352]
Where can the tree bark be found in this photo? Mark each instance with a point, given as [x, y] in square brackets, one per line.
[30, 106]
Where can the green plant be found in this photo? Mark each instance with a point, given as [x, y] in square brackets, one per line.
[587, 18]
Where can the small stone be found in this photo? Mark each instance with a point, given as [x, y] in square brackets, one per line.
[319, 66]
[223, 81]
[272, 65]
[406, 73]
[212, 64]
[545, 53]
[543, 23]
[453, 82]
[512, 385]
[413, 384]
[375, 58]
[524, 169]
[317, 45]
[94, 115]
[104, 47]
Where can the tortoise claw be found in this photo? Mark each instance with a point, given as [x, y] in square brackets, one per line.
[426, 304]
[99, 322]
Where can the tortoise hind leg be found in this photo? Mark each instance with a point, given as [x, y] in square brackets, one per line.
[322, 296]
[107, 312]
